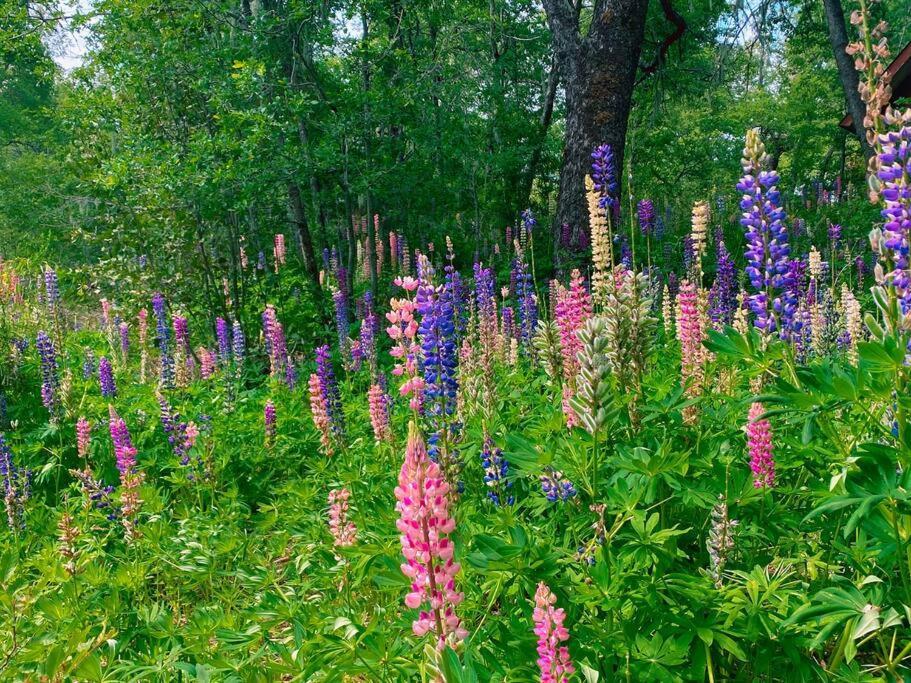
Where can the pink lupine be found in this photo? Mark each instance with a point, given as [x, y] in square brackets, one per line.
[553, 658]
[279, 251]
[573, 308]
[343, 531]
[130, 478]
[206, 362]
[403, 331]
[320, 412]
[83, 436]
[379, 412]
[425, 524]
[759, 441]
[690, 333]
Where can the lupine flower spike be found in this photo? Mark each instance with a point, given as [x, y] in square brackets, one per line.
[553, 658]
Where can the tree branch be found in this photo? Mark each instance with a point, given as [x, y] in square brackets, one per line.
[680, 27]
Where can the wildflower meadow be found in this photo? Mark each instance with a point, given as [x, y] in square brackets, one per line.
[668, 442]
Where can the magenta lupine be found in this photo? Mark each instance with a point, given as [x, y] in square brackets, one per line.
[379, 413]
[425, 524]
[553, 658]
[759, 441]
[279, 360]
[130, 478]
[573, 308]
[83, 436]
[320, 411]
[343, 531]
[269, 423]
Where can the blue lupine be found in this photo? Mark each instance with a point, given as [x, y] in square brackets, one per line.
[106, 378]
[604, 176]
[723, 295]
[238, 343]
[224, 341]
[496, 469]
[767, 237]
[555, 486]
[330, 390]
[50, 380]
[163, 334]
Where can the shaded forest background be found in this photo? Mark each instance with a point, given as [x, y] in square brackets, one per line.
[193, 127]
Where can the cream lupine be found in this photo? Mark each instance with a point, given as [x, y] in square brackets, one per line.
[602, 262]
[425, 524]
[699, 234]
[851, 313]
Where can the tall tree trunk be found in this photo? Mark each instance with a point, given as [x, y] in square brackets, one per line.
[299, 217]
[598, 72]
[838, 37]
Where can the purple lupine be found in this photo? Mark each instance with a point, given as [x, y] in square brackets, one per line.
[527, 303]
[100, 495]
[438, 346]
[604, 176]
[723, 295]
[508, 323]
[163, 335]
[646, 212]
[182, 334]
[626, 253]
[329, 388]
[496, 469]
[341, 318]
[51, 288]
[456, 291]
[689, 253]
[124, 330]
[767, 237]
[238, 343]
[181, 435]
[529, 221]
[16, 486]
[224, 340]
[260, 261]
[792, 291]
[50, 379]
[834, 235]
[88, 364]
[673, 285]
[106, 378]
[894, 175]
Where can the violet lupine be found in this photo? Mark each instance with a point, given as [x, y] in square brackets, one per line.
[16, 486]
[319, 410]
[50, 379]
[261, 261]
[604, 176]
[573, 308]
[723, 295]
[344, 532]
[88, 364]
[124, 330]
[163, 334]
[269, 420]
[767, 237]
[279, 360]
[553, 658]
[792, 292]
[645, 210]
[438, 347]
[455, 289]
[83, 436]
[224, 340]
[342, 326]
[330, 392]
[238, 343]
[555, 486]
[425, 524]
[527, 300]
[51, 289]
[130, 477]
[106, 378]
[894, 174]
[759, 441]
